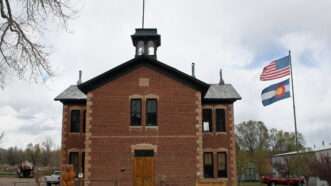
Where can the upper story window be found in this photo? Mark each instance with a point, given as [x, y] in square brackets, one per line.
[151, 112]
[75, 121]
[220, 120]
[140, 48]
[208, 165]
[221, 165]
[207, 120]
[135, 112]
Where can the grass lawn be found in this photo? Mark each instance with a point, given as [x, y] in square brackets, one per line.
[7, 174]
[251, 184]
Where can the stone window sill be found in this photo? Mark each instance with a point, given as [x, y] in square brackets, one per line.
[213, 180]
[151, 127]
[214, 133]
[221, 133]
[76, 133]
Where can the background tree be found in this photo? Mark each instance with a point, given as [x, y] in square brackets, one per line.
[294, 165]
[321, 167]
[242, 161]
[14, 156]
[257, 144]
[252, 139]
[22, 24]
[2, 135]
[47, 155]
[33, 154]
[252, 135]
[281, 141]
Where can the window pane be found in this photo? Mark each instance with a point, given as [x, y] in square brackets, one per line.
[143, 153]
[221, 164]
[83, 163]
[73, 160]
[220, 120]
[208, 167]
[75, 121]
[151, 112]
[136, 112]
[206, 127]
[140, 48]
[151, 48]
[207, 120]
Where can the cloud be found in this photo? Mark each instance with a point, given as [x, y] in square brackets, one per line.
[237, 36]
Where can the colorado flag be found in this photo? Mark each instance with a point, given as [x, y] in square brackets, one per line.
[276, 92]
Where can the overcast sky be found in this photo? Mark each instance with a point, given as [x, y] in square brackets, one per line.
[238, 36]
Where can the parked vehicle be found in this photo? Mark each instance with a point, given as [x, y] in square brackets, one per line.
[25, 170]
[54, 178]
[272, 181]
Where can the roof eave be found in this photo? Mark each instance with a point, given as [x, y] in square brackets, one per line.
[66, 101]
[220, 100]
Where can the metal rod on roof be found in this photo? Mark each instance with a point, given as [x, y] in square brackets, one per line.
[143, 18]
[221, 78]
[80, 73]
[193, 69]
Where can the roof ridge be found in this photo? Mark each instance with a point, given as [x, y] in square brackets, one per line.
[116, 71]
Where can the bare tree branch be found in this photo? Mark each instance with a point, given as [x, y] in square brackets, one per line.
[21, 50]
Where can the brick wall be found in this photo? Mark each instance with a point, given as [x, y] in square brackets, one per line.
[221, 142]
[71, 142]
[110, 138]
[178, 141]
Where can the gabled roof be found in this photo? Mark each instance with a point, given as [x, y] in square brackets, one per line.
[210, 92]
[71, 94]
[136, 62]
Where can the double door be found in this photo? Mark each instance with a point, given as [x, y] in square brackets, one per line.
[143, 170]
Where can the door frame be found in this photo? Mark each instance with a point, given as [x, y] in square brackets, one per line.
[146, 155]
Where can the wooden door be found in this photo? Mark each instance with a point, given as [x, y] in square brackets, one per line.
[143, 170]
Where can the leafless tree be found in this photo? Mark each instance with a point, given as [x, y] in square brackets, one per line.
[1, 136]
[22, 25]
[48, 144]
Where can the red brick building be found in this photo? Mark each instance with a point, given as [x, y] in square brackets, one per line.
[144, 123]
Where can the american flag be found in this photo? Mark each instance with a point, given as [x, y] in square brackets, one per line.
[276, 69]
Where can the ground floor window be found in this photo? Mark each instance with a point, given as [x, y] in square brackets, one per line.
[215, 164]
[208, 165]
[74, 161]
[221, 165]
[83, 162]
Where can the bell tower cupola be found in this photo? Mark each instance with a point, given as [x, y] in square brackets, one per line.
[146, 41]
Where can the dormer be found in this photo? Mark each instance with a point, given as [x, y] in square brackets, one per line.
[146, 41]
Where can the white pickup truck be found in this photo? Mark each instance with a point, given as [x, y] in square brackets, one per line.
[54, 178]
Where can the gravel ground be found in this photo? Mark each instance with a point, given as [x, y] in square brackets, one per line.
[18, 182]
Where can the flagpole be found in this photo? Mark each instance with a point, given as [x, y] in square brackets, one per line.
[293, 102]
